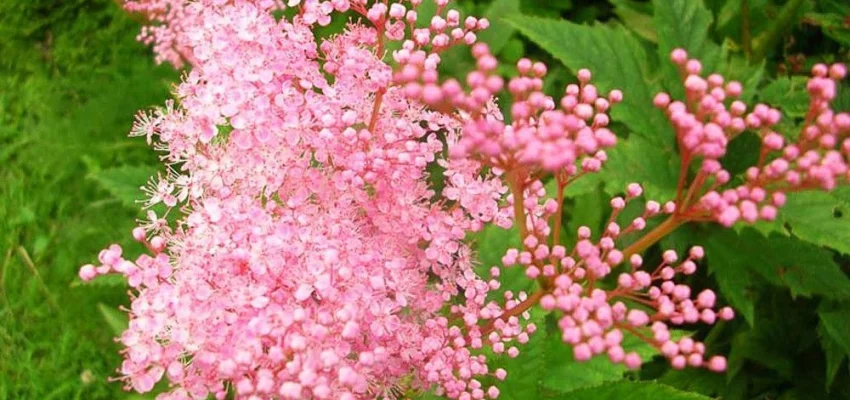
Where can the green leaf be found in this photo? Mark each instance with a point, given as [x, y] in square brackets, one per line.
[637, 159]
[820, 217]
[499, 32]
[700, 381]
[786, 19]
[836, 325]
[546, 368]
[589, 210]
[758, 346]
[834, 355]
[788, 94]
[729, 267]
[785, 262]
[832, 25]
[116, 320]
[526, 370]
[491, 243]
[636, 16]
[683, 24]
[565, 374]
[735, 66]
[805, 269]
[109, 280]
[616, 59]
[124, 182]
[631, 391]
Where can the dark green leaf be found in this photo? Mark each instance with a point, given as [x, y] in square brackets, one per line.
[116, 320]
[124, 183]
[835, 355]
[820, 217]
[700, 381]
[491, 244]
[616, 59]
[631, 391]
[565, 374]
[805, 269]
[788, 94]
[637, 159]
[683, 24]
[637, 16]
[836, 325]
[499, 32]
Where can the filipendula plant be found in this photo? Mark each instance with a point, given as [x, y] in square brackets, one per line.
[311, 256]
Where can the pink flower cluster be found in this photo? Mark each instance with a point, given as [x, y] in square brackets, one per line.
[642, 303]
[711, 116]
[312, 258]
[539, 135]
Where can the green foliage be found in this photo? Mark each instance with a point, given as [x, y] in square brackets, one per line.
[73, 77]
[124, 182]
[772, 274]
[631, 391]
[820, 218]
[617, 60]
[116, 320]
[491, 244]
[546, 369]
[804, 269]
[500, 32]
[638, 18]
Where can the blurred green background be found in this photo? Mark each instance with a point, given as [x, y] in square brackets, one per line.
[72, 77]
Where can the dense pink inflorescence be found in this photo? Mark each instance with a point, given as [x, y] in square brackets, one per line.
[313, 259]
[305, 263]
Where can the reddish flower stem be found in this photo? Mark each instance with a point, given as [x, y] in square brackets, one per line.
[520, 308]
[666, 227]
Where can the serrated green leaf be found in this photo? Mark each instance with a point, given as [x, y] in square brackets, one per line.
[616, 59]
[499, 32]
[124, 183]
[832, 25]
[683, 24]
[637, 16]
[637, 159]
[526, 370]
[729, 267]
[787, 94]
[836, 324]
[586, 210]
[565, 374]
[631, 391]
[491, 243]
[116, 320]
[820, 217]
[835, 355]
[700, 381]
[805, 269]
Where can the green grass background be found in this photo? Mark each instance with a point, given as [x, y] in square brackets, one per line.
[72, 77]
